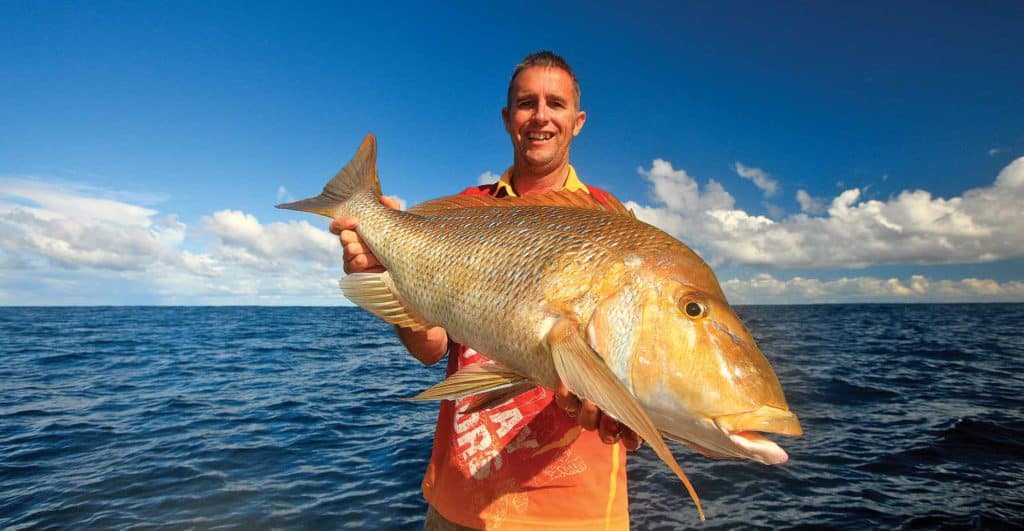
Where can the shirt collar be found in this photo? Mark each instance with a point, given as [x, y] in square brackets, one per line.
[572, 183]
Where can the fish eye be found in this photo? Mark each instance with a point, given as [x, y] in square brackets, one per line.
[694, 309]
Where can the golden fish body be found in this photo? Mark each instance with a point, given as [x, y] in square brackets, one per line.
[623, 313]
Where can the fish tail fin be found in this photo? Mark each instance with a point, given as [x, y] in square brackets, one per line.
[359, 175]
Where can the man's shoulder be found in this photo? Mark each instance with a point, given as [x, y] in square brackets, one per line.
[603, 197]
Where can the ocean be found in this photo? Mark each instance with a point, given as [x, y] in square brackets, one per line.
[292, 418]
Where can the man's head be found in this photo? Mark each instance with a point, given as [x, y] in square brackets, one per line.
[544, 58]
[542, 114]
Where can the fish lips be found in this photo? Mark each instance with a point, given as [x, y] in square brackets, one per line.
[744, 430]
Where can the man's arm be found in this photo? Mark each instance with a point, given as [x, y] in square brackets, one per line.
[428, 346]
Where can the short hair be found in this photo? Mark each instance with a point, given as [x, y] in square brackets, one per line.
[544, 58]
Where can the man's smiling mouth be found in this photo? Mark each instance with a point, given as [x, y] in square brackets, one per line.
[539, 136]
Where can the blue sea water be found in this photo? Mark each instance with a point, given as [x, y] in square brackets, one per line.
[291, 418]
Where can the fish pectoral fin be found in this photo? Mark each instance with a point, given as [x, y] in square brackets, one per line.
[375, 293]
[492, 382]
[587, 375]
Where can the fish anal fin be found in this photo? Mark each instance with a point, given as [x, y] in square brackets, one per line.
[375, 293]
[488, 379]
[490, 399]
[586, 375]
[562, 198]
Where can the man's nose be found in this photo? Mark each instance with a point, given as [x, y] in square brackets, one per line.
[541, 115]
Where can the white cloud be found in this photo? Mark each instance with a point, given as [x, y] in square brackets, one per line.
[55, 237]
[760, 178]
[775, 211]
[488, 177]
[994, 151]
[73, 244]
[240, 238]
[766, 289]
[402, 204]
[912, 227]
[810, 204]
[283, 196]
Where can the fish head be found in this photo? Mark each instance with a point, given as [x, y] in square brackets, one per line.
[693, 366]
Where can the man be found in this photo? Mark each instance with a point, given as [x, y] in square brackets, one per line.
[525, 463]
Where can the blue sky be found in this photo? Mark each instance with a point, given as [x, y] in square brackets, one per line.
[812, 152]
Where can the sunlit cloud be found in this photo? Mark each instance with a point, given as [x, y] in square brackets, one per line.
[283, 196]
[766, 289]
[488, 177]
[759, 177]
[56, 238]
[912, 227]
[76, 244]
[810, 204]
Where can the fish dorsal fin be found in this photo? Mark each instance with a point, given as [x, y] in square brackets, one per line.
[375, 293]
[562, 198]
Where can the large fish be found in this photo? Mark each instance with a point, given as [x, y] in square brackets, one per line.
[555, 286]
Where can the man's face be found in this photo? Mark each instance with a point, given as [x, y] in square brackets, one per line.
[542, 118]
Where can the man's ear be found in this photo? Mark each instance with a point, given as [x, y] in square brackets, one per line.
[581, 118]
[504, 119]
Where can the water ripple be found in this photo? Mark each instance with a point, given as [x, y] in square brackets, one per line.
[214, 418]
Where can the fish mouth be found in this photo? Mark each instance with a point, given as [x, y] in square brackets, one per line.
[745, 431]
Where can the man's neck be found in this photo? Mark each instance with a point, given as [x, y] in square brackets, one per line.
[525, 182]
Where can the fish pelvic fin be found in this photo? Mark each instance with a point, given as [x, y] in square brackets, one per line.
[375, 293]
[489, 383]
[587, 375]
[360, 174]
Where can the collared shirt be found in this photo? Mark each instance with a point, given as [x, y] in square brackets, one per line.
[523, 464]
[503, 188]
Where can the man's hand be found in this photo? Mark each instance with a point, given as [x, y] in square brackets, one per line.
[591, 417]
[358, 257]
[428, 346]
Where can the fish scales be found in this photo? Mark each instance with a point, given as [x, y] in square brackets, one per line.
[559, 287]
[471, 270]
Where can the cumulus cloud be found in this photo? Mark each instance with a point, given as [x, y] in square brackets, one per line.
[760, 178]
[62, 239]
[402, 204]
[810, 204]
[912, 227]
[488, 177]
[241, 238]
[766, 289]
[283, 196]
[49, 231]
[61, 226]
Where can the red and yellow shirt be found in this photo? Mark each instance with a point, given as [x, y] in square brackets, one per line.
[523, 464]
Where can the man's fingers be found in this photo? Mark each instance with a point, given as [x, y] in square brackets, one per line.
[356, 248]
[360, 263]
[566, 400]
[609, 429]
[349, 236]
[390, 202]
[343, 223]
[590, 415]
[630, 439]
